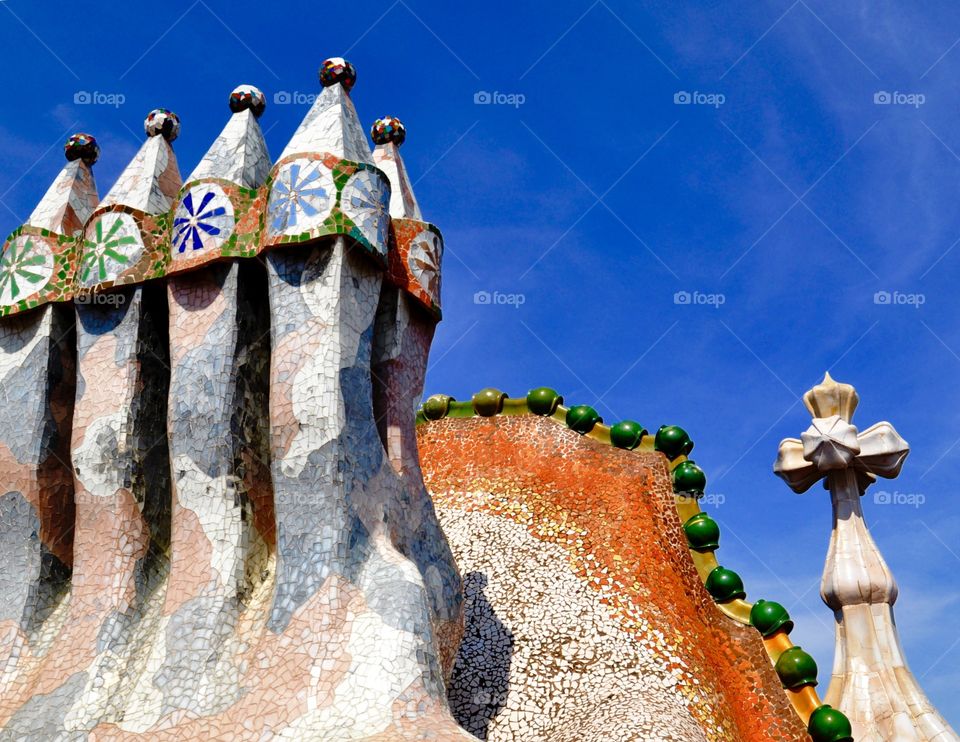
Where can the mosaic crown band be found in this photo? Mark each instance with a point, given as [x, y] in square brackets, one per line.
[223, 210]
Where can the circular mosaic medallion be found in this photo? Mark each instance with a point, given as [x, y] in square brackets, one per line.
[301, 197]
[204, 221]
[112, 245]
[25, 268]
[423, 261]
[364, 201]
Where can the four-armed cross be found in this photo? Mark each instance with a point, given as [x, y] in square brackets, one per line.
[871, 682]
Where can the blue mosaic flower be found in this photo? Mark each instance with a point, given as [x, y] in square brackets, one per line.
[301, 197]
[208, 223]
[365, 201]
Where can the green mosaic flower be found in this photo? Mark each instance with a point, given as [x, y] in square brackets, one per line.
[106, 255]
[25, 268]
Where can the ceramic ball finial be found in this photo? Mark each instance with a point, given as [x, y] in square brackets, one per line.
[82, 147]
[248, 98]
[161, 122]
[388, 129]
[338, 70]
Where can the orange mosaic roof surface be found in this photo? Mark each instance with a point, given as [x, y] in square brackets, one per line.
[612, 513]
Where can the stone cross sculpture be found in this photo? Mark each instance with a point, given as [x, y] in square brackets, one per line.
[871, 681]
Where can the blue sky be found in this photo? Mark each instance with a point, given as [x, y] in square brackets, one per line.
[782, 198]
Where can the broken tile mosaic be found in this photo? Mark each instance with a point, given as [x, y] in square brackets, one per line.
[221, 520]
